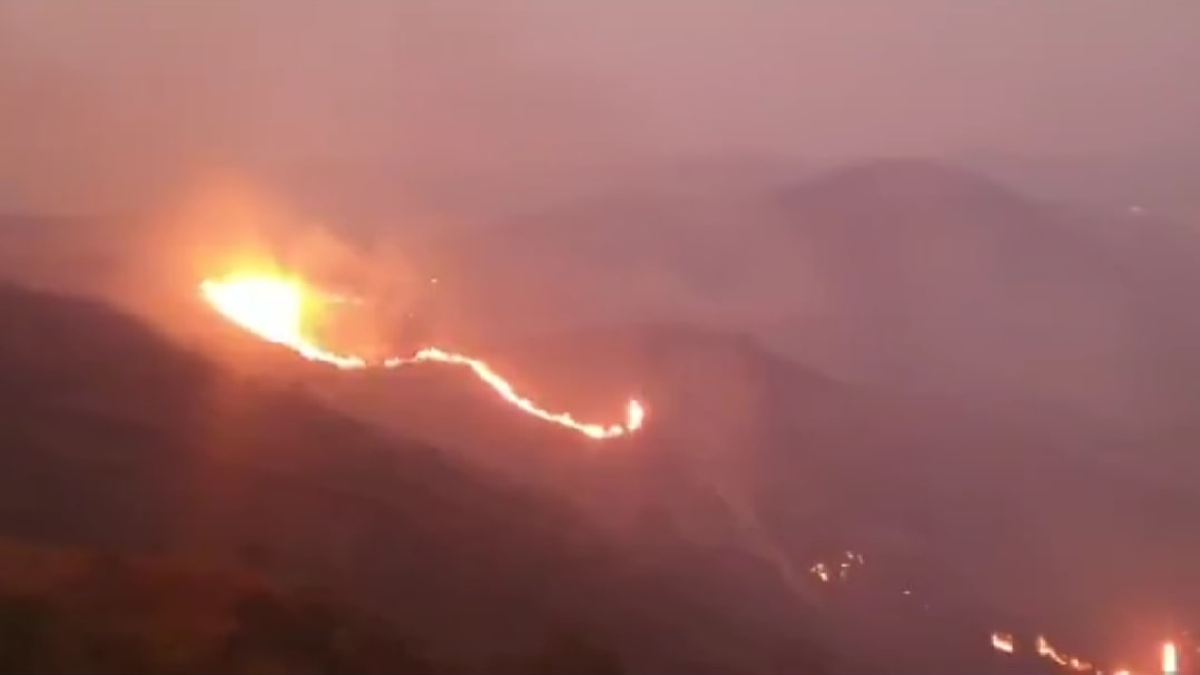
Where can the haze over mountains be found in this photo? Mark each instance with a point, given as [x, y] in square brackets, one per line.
[906, 292]
[906, 273]
[900, 359]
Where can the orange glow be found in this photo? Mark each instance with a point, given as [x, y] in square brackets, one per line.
[275, 308]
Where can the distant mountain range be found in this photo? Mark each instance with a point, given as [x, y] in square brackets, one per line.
[904, 273]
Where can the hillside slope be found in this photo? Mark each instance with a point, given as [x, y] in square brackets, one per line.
[970, 516]
[117, 439]
[70, 610]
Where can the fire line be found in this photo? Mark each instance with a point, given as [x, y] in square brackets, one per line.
[273, 308]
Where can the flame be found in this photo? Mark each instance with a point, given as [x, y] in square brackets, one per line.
[634, 413]
[1170, 659]
[1044, 648]
[821, 572]
[273, 307]
[849, 560]
[1003, 642]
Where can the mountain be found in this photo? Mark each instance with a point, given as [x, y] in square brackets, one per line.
[644, 253]
[905, 273]
[940, 278]
[1116, 184]
[154, 449]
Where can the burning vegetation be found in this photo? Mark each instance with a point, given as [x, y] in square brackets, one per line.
[274, 307]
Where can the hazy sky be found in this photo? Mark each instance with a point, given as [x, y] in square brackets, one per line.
[105, 101]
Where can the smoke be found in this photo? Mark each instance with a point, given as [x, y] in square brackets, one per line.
[113, 105]
[109, 104]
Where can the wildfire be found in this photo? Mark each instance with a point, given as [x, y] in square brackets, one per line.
[274, 307]
[1045, 649]
[1004, 642]
[634, 413]
[840, 570]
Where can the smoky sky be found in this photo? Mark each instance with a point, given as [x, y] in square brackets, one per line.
[107, 102]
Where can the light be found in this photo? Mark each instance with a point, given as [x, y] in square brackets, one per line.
[1170, 658]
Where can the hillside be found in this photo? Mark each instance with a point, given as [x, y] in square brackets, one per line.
[158, 450]
[964, 278]
[70, 610]
[970, 516]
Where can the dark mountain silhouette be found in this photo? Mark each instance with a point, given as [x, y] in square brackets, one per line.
[919, 182]
[117, 439]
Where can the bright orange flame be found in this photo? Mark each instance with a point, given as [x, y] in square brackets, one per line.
[1170, 659]
[635, 414]
[273, 308]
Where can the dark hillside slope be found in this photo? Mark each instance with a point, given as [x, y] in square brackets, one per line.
[70, 611]
[990, 515]
[116, 439]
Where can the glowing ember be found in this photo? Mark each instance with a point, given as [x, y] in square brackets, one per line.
[847, 562]
[274, 307]
[821, 572]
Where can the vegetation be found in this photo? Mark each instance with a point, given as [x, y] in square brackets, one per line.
[67, 611]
